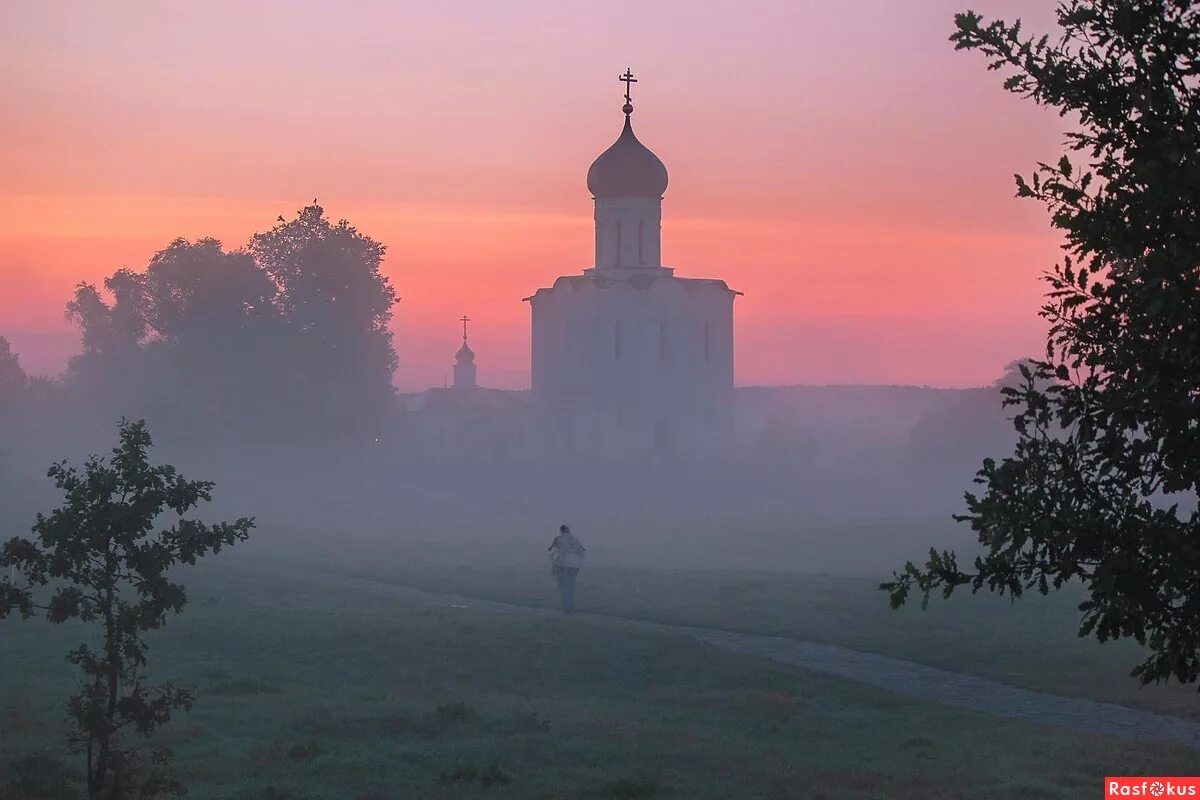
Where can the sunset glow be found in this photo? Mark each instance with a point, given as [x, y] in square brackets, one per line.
[840, 165]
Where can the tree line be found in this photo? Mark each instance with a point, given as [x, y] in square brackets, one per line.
[287, 335]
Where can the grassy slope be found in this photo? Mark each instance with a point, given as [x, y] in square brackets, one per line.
[317, 693]
[1032, 643]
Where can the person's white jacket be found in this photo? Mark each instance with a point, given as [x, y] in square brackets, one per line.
[566, 551]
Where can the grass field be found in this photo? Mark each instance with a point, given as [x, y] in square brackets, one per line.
[311, 692]
[1032, 643]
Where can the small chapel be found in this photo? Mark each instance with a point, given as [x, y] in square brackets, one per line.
[464, 420]
[629, 359]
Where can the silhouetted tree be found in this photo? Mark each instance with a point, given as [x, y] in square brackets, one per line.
[14, 394]
[1109, 422]
[287, 339]
[110, 330]
[216, 328]
[972, 424]
[338, 304]
[197, 289]
[13, 379]
[110, 371]
[108, 566]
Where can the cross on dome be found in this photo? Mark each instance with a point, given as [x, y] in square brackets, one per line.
[628, 168]
[465, 354]
[628, 80]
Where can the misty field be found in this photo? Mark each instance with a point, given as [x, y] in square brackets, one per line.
[315, 692]
[1032, 643]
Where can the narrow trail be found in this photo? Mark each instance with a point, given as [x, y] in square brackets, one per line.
[893, 674]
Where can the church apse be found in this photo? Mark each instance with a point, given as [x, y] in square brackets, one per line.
[629, 359]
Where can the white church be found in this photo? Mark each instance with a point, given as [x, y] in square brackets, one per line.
[629, 360]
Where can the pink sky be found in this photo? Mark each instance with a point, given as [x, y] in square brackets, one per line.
[837, 162]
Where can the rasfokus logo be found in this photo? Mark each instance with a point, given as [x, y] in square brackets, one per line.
[1157, 786]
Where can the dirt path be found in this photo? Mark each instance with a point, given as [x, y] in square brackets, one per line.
[893, 674]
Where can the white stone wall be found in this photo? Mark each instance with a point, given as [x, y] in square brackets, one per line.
[628, 232]
[464, 375]
[633, 365]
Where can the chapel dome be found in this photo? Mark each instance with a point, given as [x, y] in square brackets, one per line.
[627, 169]
[465, 355]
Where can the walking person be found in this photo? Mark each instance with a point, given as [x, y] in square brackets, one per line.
[566, 557]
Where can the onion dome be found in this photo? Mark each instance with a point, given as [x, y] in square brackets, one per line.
[465, 355]
[628, 168]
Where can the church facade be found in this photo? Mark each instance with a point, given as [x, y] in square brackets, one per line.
[629, 359]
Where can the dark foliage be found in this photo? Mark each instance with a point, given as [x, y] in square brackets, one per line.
[1107, 460]
[14, 390]
[338, 305]
[288, 337]
[12, 378]
[104, 563]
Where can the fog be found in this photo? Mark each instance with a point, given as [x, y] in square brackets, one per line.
[850, 480]
[268, 369]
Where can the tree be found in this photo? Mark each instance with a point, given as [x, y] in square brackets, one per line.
[14, 395]
[218, 334]
[110, 330]
[107, 565]
[111, 372]
[194, 289]
[1107, 460]
[13, 380]
[338, 304]
[287, 338]
[971, 424]
[290, 335]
